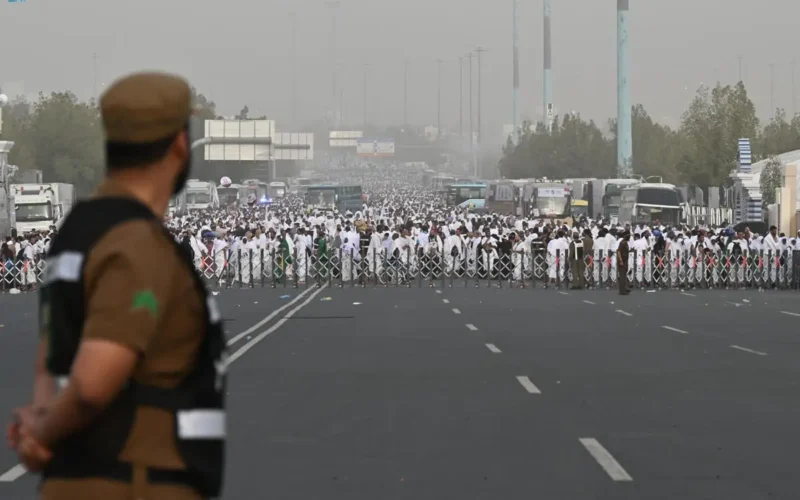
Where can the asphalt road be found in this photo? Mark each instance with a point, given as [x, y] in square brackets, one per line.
[496, 394]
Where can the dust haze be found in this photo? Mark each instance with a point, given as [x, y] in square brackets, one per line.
[240, 53]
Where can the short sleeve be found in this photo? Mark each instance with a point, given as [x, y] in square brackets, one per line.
[125, 289]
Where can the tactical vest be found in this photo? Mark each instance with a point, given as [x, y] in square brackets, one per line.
[197, 404]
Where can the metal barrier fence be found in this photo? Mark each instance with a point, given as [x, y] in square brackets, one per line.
[645, 269]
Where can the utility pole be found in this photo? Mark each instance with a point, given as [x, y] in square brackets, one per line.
[547, 105]
[741, 59]
[333, 6]
[479, 51]
[772, 89]
[94, 65]
[794, 89]
[366, 67]
[471, 126]
[439, 99]
[341, 106]
[461, 97]
[405, 92]
[515, 76]
[294, 68]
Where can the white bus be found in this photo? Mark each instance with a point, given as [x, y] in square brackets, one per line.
[650, 203]
[276, 190]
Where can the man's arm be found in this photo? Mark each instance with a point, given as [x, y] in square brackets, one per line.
[44, 386]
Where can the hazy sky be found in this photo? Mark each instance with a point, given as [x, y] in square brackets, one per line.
[240, 52]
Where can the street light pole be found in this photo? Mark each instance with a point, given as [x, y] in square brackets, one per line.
[461, 97]
[471, 126]
[479, 51]
[405, 92]
[439, 99]
[365, 97]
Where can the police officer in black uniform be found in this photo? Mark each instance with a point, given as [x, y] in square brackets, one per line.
[130, 380]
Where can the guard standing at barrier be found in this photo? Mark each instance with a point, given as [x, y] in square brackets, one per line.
[129, 394]
[588, 251]
[623, 253]
[576, 263]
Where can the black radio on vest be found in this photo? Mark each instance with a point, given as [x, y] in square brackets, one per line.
[197, 404]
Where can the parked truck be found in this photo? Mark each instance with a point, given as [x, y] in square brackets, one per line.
[201, 195]
[39, 206]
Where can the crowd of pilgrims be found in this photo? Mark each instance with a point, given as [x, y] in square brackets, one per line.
[403, 222]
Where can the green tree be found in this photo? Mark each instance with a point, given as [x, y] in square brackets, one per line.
[711, 127]
[62, 137]
[771, 179]
[779, 136]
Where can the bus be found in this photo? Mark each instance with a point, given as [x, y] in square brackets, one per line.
[341, 197]
[651, 203]
[459, 193]
[612, 194]
[300, 185]
[427, 177]
[228, 195]
[442, 182]
[503, 197]
[551, 200]
[276, 189]
[580, 208]
[255, 188]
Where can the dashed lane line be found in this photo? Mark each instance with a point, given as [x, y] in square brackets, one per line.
[438, 291]
[589, 302]
[605, 459]
[472, 327]
[528, 385]
[261, 323]
[564, 293]
[623, 312]
[13, 474]
[790, 313]
[456, 311]
[493, 348]
[745, 349]
[672, 329]
[445, 301]
[688, 294]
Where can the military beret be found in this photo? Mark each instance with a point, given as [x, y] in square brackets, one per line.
[145, 107]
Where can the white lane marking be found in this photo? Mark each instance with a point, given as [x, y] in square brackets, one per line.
[528, 385]
[261, 336]
[261, 323]
[472, 327]
[438, 291]
[688, 294]
[745, 349]
[605, 459]
[493, 348]
[589, 302]
[456, 311]
[665, 327]
[734, 303]
[790, 313]
[563, 293]
[445, 301]
[623, 312]
[13, 474]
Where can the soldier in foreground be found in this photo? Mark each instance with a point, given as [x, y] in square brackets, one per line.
[128, 396]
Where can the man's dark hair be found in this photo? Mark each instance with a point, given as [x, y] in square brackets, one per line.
[125, 155]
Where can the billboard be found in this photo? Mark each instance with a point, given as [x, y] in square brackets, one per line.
[293, 139]
[375, 147]
[238, 128]
[344, 138]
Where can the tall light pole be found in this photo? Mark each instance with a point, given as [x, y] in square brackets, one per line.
[515, 58]
[366, 67]
[94, 68]
[294, 68]
[772, 89]
[333, 6]
[741, 60]
[439, 99]
[479, 51]
[794, 89]
[461, 97]
[471, 126]
[405, 92]
[547, 105]
[624, 131]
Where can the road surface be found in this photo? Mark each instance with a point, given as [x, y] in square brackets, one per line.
[496, 394]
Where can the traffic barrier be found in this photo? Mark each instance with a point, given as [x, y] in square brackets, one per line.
[474, 267]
